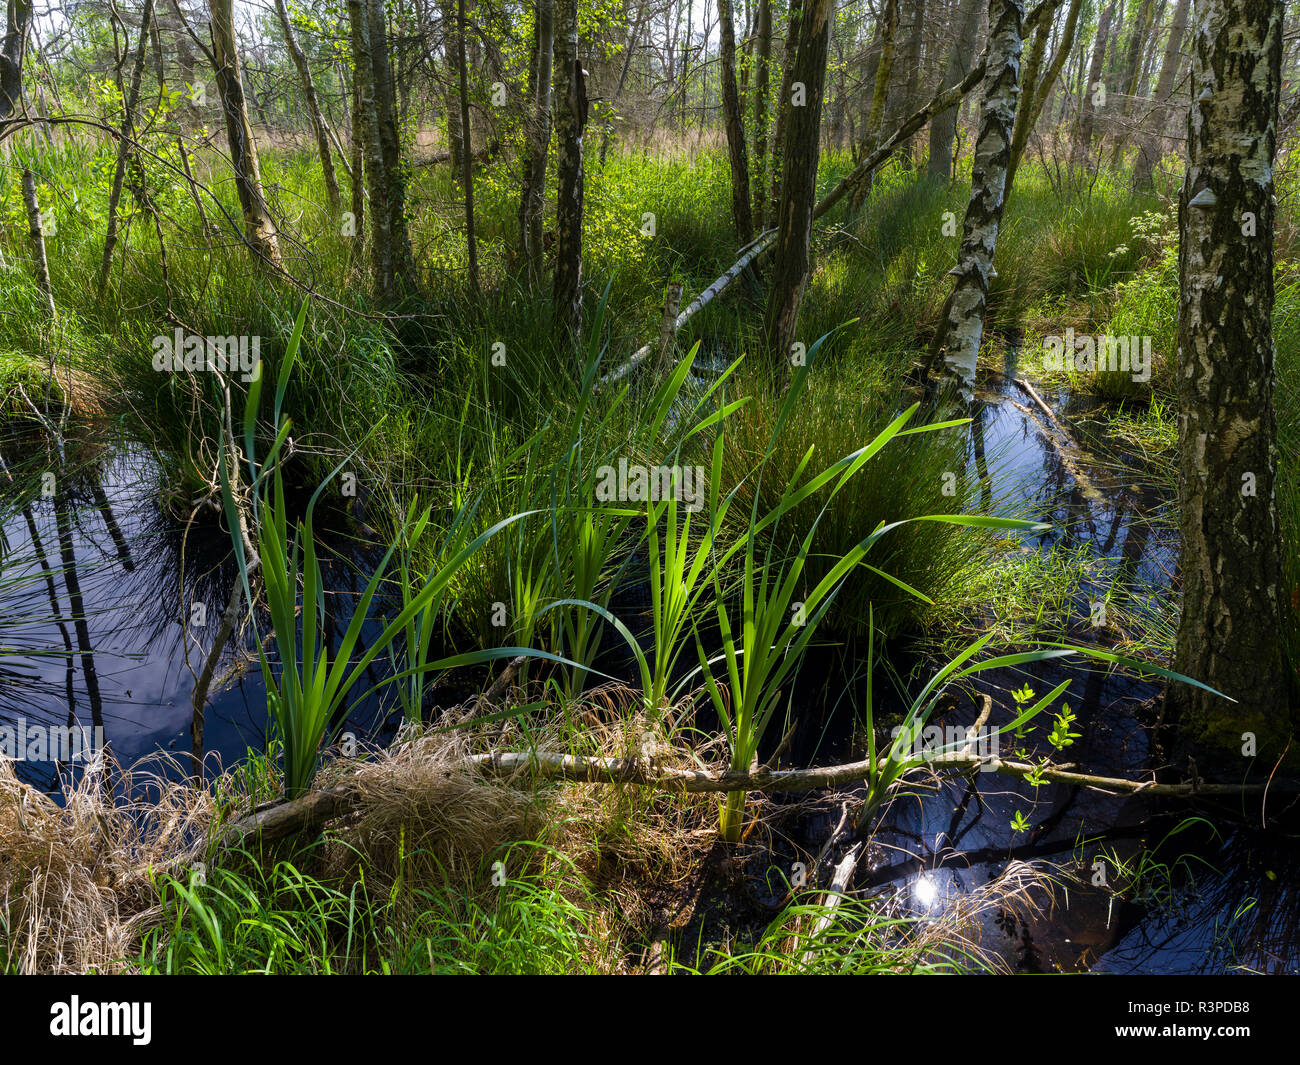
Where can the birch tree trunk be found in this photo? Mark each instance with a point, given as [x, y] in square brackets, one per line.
[735, 124]
[258, 227]
[1087, 108]
[1029, 73]
[36, 238]
[1150, 142]
[314, 113]
[532, 194]
[961, 326]
[1231, 566]
[943, 126]
[798, 183]
[570, 120]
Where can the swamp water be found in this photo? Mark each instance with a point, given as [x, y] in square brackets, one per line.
[101, 590]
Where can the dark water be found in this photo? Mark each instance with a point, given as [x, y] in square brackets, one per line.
[101, 548]
[149, 592]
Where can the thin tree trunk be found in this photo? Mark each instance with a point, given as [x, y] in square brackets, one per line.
[357, 145]
[912, 65]
[391, 146]
[1132, 72]
[570, 120]
[943, 127]
[125, 142]
[390, 249]
[961, 326]
[532, 194]
[798, 185]
[1036, 91]
[735, 124]
[455, 135]
[884, 71]
[13, 48]
[1088, 109]
[762, 90]
[365, 134]
[1149, 144]
[36, 237]
[1028, 85]
[632, 40]
[1231, 565]
[318, 123]
[783, 102]
[258, 227]
[467, 153]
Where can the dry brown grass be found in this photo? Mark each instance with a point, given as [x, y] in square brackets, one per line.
[76, 881]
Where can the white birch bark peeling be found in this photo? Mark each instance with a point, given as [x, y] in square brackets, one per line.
[962, 326]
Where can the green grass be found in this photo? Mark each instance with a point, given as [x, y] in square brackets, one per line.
[283, 920]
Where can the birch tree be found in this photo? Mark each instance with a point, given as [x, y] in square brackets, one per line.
[961, 326]
[570, 121]
[1231, 564]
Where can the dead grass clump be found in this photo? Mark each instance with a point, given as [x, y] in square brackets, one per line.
[76, 886]
[425, 817]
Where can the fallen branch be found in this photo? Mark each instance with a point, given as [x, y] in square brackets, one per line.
[633, 771]
[753, 253]
[1084, 482]
[835, 894]
[314, 809]
[497, 690]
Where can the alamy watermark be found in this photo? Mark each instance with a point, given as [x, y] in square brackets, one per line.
[22, 741]
[132, 1020]
[631, 483]
[934, 741]
[1099, 354]
[224, 354]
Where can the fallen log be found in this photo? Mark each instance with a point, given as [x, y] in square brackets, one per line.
[752, 253]
[594, 770]
[311, 811]
[484, 154]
